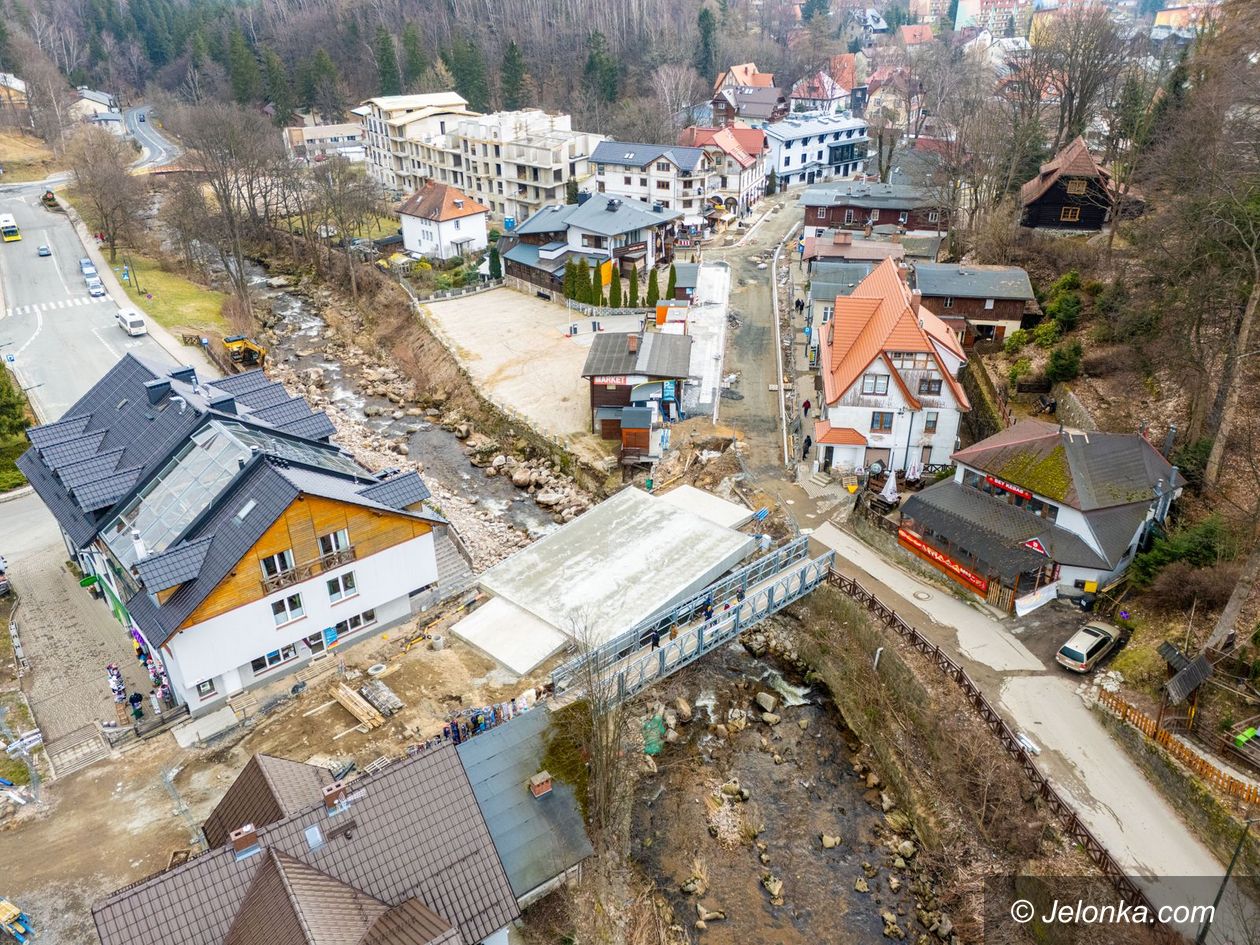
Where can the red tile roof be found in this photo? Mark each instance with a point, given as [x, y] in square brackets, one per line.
[1073, 161]
[828, 435]
[439, 202]
[843, 69]
[818, 87]
[745, 75]
[727, 139]
[916, 34]
[881, 316]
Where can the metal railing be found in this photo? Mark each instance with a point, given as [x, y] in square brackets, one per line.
[1071, 823]
[662, 623]
[308, 569]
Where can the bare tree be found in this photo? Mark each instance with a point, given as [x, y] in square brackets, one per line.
[48, 95]
[678, 89]
[1087, 51]
[347, 200]
[884, 135]
[113, 197]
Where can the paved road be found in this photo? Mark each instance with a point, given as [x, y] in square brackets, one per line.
[158, 150]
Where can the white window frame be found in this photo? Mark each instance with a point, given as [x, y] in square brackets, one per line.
[282, 655]
[949, 301]
[203, 693]
[875, 384]
[848, 215]
[931, 421]
[346, 587]
[903, 217]
[933, 216]
[988, 304]
[282, 561]
[336, 541]
[289, 611]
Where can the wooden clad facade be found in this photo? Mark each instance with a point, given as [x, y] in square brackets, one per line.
[1073, 203]
[298, 530]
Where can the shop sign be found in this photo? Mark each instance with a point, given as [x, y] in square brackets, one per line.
[959, 572]
[667, 390]
[682, 241]
[1036, 545]
[620, 380]
[1009, 487]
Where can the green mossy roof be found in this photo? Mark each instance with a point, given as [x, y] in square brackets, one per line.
[1047, 475]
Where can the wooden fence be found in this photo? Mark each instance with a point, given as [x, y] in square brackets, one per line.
[1072, 825]
[1225, 783]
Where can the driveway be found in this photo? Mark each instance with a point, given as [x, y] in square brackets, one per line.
[1106, 789]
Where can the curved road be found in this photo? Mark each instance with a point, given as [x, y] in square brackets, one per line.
[157, 150]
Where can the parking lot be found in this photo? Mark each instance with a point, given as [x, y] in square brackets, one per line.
[1046, 629]
[519, 352]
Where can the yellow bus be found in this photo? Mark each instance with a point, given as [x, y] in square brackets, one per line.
[9, 228]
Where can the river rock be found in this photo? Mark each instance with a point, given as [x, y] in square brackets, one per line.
[549, 499]
[730, 788]
[683, 708]
[886, 802]
[736, 720]
[520, 477]
[774, 885]
[373, 410]
[872, 779]
[906, 849]
[770, 718]
[861, 885]
[829, 842]
[491, 471]
[720, 730]
[499, 461]
[766, 701]
[462, 431]
[891, 928]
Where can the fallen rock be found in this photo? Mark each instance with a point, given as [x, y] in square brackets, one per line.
[649, 764]
[736, 720]
[891, 928]
[766, 701]
[886, 802]
[774, 885]
[899, 863]
[944, 927]
[872, 779]
[870, 869]
[730, 788]
[906, 849]
[770, 718]
[520, 477]
[683, 708]
[709, 915]
[894, 884]
[549, 499]
[671, 718]
[803, 724]
[829, 842]
[720, 730]
[861, 885]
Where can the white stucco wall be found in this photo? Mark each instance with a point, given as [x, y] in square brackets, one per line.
[226, 644]
[437, 239]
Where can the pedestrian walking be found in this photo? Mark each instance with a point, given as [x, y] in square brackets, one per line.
[809, 441]
[656, 638]
[805, 408]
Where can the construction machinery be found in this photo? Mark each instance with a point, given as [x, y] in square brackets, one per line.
[15, 922]
[245, 351]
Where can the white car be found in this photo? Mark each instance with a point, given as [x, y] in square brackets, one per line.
[96, 288]
[131, 321]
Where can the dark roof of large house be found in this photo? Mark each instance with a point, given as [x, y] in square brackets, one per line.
[130, 422]
[215, 475]
[537, 838]
[868, 196]
[658, 355]
[600, 214]
[267, 790]
[973, 282]
[755, 103]
[1073, 161]
[408, 837]
[830, 279]
[440, 202]
[627, 154]
[1086, 471]
[996, 530]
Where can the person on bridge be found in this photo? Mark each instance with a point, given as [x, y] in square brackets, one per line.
[656, 638]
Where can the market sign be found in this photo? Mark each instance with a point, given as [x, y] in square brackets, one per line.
[1009, 487]
[959, 572]
[1036, 545]
[619, 380]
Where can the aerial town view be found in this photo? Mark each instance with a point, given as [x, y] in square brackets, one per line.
[655, 472]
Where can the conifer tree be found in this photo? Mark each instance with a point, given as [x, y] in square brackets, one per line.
[583, 281]
[673, 281]
[614, 289]
[654, 289]
[496, 265]
[414, 62]
[632, 299]
[243, 70]
[512, 77]
[390, 82]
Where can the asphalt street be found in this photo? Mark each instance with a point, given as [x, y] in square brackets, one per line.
[157, 150]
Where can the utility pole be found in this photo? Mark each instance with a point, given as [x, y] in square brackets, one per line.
[1207, 923]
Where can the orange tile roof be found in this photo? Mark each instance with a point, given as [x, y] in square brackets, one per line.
[1073, 161]
[881, 316]
[843, 69]
[746, 74]
[827, 435]
[915, 34]
[440, 202]
[724, 138]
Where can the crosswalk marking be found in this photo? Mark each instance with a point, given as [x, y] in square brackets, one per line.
[13, 310]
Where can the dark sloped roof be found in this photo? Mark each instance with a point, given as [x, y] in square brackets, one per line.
[1194, 675]
[973, 282]
[411, 923]
[416, 833]
[537, 838]
[870, 196]
[171, 568]
[291, 903]
[398, 492]
[1172, 655]
[1084, 470]
[1073, 161]
[659, 355]
[626, 154]
[267, 790]
[994, 531]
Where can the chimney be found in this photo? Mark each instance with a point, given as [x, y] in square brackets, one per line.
[540, 784]
[244, 841]
[868, 229]
[632, 344]
[187, 374]
[1169, 438]
[335, 798]
[157, 389]
[916, 299]
[224, 403]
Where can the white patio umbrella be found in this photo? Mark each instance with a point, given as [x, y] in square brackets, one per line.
[889, 493]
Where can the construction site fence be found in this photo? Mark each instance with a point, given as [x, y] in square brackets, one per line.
[1063, 812]
[1203, 768]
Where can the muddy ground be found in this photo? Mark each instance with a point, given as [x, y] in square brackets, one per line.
[801, 777]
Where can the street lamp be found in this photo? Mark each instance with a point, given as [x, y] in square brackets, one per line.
[1207, 922]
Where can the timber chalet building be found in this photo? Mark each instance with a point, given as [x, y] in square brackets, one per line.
[856, 204]
[230, 538]
[1072, 191]
[1041, 510]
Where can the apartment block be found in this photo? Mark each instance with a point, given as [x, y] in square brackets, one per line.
[391, 123]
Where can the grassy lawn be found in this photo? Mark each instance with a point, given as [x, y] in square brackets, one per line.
[10, 449]
[24, 158]
[172, 300]
[16, 719]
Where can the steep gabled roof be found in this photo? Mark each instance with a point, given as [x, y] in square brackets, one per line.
[739, 141]
[440, 202]
[879, 317]
[915, 34]
[843, 69]
[267, 790]
[745, 74]
[412, 832]
[1073, 161]
[818, 87]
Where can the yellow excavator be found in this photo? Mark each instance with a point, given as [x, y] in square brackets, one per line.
[245, 351]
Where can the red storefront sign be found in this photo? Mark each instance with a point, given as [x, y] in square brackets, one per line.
[960, 573]
[1008, 486]
[1037, 546]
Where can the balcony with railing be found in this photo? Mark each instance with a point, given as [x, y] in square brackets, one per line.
[307, 569]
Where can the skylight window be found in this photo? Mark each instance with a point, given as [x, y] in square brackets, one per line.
[245, 510]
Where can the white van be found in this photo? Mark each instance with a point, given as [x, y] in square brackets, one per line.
[132, 322]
